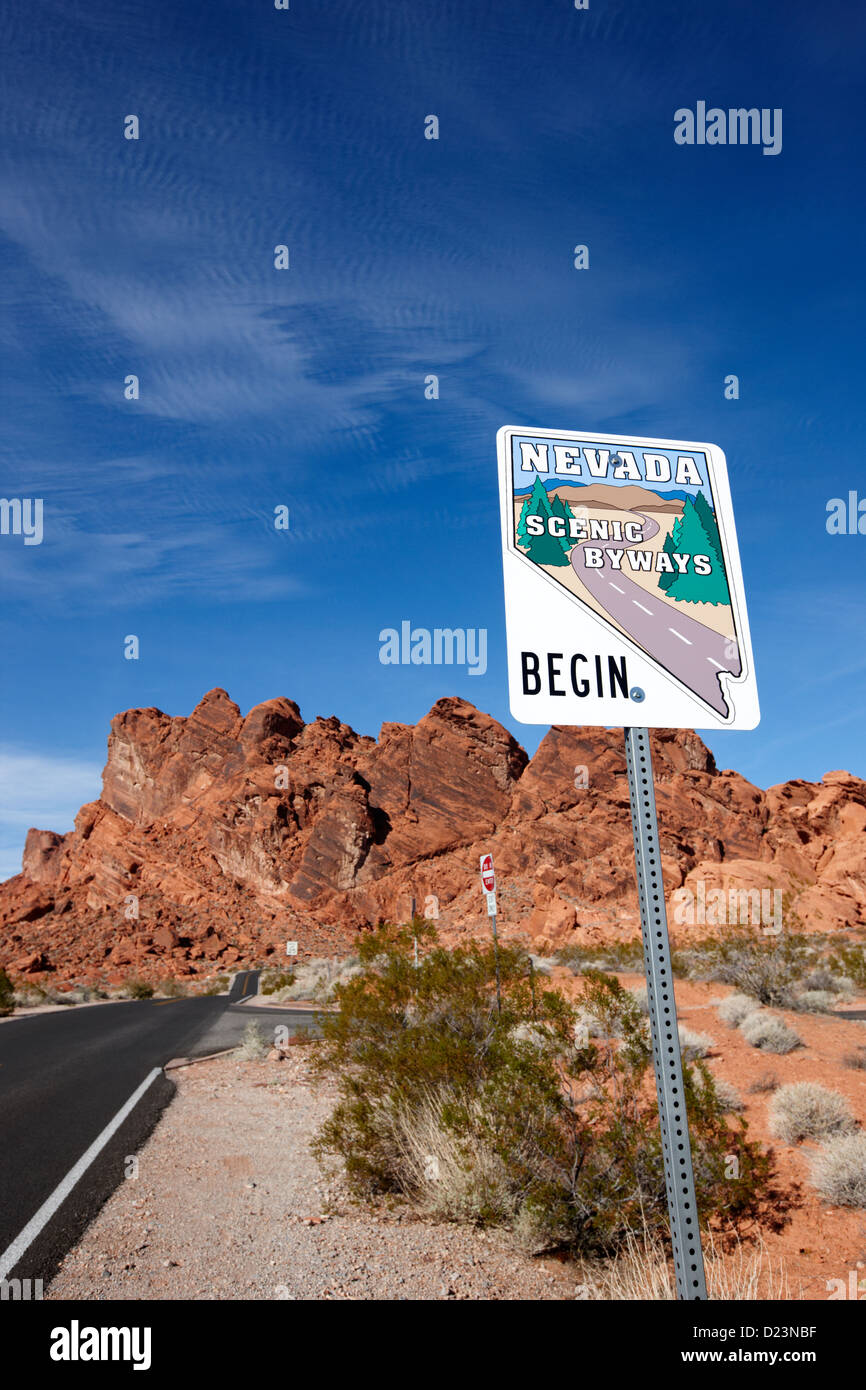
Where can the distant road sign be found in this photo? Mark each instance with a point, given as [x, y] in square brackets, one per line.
[491, 904]
[488, 877]
[291, 948]
[624, 596]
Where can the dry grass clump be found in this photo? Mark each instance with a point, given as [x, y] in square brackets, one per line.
[805, 1110]
[317, 980]
[839, 1170]
[769, 1033]
[644, 1272]
[694, 1044]
[736, 1009]
[253, 1045]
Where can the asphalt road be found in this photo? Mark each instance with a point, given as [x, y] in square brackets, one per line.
[692, 652]
[65, 1075]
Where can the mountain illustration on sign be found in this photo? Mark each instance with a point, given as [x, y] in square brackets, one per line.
[655, 594]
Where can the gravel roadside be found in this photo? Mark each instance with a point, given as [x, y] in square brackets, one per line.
[229, 1203]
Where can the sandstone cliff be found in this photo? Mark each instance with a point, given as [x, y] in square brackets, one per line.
[229, 835]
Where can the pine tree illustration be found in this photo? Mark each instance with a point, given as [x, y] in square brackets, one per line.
[705, 512]
[692, 540]
[544, 549]
[561, 508]
[667, 577]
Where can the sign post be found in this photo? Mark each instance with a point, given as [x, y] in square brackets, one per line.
[623, 587]
[488, 883]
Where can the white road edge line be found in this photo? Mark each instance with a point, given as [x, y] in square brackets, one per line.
[715, 663]
[680, 635]
[22, 1242]
[640, 605]
[616, 586]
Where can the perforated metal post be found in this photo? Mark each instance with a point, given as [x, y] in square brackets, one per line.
[679, 1177]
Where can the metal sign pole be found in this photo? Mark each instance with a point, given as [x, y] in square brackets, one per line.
[667, 1062]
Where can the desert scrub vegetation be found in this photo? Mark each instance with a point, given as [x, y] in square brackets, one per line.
[617, 955]
[217, 986]
[642, 1270]
[134, 988]
[806, 1110]
[273, 980]
[766, 968]
[839, 1170]
[849, 962]
[317, 980]
[736, 1008]
[500, 1117]
[7, 994]
[694, 1044]
[769, 1033]
[253, 1045]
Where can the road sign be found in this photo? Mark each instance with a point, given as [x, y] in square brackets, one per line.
[488, 877]
[624, 595]
[491, 904]
[291, 948]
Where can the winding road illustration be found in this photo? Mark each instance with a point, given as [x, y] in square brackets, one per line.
[690, 651]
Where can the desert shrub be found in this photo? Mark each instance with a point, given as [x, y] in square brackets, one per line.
[173, 989]
[217, 986]
[767, 1081]
[640, 994]
[542, 965]
[805, 1110]
[850, 961]
[617, 955]
[826, 980]
[815, 1001]
[499, 1117]
[839, 1170]
[769, 1033]
[317, 980]
[729, 1097]
[7, 994]
[736, 1008]
[694, 1044]
[253, 1045]
[765, 967]
[134, 988]
[856, 1060]
[274, 980]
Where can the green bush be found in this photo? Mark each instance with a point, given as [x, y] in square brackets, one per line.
[138, 989]
[273, 980]
[217, 986]
[7, 994]
[850, 961]
[500, 1116]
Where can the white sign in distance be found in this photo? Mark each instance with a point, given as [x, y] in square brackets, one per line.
[291, 948]
[624, 600]
[491, 904]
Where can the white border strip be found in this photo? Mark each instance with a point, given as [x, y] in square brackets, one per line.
[22, 1242]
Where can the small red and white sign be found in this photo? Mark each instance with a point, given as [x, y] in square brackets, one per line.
[488, 877]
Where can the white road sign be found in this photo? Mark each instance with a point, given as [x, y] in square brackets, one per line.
[291, 948]
[488, 877]
[491, 904]
[624, 599]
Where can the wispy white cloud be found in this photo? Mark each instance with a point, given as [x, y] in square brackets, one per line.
[41, 791]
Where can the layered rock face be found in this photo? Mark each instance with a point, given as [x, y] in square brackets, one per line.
[218, 837]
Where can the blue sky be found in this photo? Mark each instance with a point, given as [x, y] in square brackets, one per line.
[408, 257]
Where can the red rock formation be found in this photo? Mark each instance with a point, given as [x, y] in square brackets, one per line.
[217, 837]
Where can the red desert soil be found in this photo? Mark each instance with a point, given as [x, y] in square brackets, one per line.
[818, 1242]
